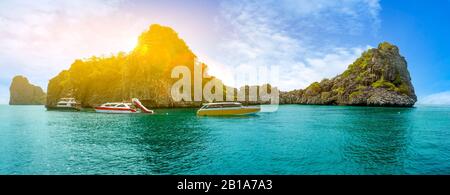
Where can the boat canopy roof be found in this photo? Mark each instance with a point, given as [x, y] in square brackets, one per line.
[224, 103]
[113, 104]
[221, 105]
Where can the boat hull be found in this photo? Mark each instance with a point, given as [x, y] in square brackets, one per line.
[114, 110]
[74, 109]
[229, 112]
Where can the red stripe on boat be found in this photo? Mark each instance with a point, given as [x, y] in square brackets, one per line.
[119, 109]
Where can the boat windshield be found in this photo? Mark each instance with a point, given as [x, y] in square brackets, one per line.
[230, 105]
[213, 106]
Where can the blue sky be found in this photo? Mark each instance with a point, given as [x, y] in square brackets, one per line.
[421, 29]
[308, 40]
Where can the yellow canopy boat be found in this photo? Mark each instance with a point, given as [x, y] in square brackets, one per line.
[226, 108]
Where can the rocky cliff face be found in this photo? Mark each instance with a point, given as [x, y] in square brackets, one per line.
[24, 93]
[378, 78]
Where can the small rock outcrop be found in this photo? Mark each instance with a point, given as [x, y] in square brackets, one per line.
[24, 93]
[380, 77]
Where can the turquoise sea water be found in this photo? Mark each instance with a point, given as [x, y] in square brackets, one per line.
[297, 139]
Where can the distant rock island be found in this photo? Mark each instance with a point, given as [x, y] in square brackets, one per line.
[24, 93]
[378, 78]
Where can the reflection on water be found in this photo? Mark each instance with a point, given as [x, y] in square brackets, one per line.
[229, 116]
[294, 140]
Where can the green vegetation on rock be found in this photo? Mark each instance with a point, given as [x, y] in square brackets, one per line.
[314, 87]
[381, 83]
[339, 90]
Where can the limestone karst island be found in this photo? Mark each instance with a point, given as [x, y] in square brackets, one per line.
[22, 92]
[379, 77]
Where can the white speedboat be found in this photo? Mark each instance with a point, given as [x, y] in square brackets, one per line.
[119, 108]
[66, 104]
[124, 108]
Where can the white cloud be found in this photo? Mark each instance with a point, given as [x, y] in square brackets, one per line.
[442, 98]
[301, 36]
[315, 69]
[40, 38]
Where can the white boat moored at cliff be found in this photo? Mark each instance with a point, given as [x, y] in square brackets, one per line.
[123, 108]
[67, 104]
[115, 107]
